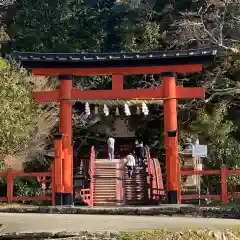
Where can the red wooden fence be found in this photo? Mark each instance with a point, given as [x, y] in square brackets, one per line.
[9, 175]
[224, 196]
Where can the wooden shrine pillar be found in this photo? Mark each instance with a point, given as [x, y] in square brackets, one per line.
[58, 180]
[171, 137]
[66, 129]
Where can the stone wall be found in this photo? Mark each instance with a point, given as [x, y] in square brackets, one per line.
[60, 235]
[231, 212]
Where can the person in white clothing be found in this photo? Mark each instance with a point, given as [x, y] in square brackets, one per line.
[110, 143]
[131, 163]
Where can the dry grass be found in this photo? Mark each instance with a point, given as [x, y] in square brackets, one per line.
[194, 234]
[7, 206]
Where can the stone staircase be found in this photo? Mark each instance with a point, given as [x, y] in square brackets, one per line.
[105, 184]
[113, 187]
[136, 187]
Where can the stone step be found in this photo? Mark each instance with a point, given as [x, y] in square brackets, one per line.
[105, 181]
[135, 179]
[106, 176]
[133, 193]
[139, 188]
[105, 166]
[104, 203]
[109, 185]
[105, 197]
[112, 186]
[143, 175]
[105, 171]
[102, 186]
[105, 163]
[135, 184]
[105, 191]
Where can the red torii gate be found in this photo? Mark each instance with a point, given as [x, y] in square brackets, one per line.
[67, 65]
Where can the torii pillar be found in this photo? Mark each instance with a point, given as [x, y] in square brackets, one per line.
[65, 128]
[173, 177]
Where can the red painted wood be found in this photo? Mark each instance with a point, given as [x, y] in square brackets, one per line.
[66, 109]
[47, 96]
[117, 82]
[118, 70]
[33, 174]
[3, 199]
[9, 175]
[31, 198]
[118, 93]
[53, 184]
[224, 190]
[196, 196]
[194, 92]
[92, 175]
[171, 143]
[10, 183]
[202, 172]
[66, 130]
[233, 172]
[58, 166]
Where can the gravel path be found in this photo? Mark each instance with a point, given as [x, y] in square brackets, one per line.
[13, 222]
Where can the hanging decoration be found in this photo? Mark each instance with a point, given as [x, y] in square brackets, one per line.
[105, 110]
[96, 111]
[145, 109]
[138, 110]
[127, 110]
[117, 111]
[87, 109]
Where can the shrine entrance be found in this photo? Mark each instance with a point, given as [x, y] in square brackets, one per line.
[65, 66]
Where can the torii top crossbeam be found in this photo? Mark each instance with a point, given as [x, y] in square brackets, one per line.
[54, 64]
[117, 65]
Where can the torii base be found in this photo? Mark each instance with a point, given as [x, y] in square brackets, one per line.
[172, 197]
[63, 199]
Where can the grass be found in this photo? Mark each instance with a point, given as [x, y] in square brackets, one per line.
[187, 234]
[13, 205]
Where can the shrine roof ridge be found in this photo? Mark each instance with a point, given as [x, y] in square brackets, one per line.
[131, 59]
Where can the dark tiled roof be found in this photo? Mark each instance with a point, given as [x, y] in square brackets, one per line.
[49, 60]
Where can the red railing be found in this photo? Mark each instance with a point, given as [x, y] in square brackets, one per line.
[224, 196]
[92, 175]
[9, 175]
[86, 196]
[149, 162]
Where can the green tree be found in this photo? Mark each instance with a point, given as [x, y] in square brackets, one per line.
[25, 125]
[216, 131]
[97, 26]
[17, 109]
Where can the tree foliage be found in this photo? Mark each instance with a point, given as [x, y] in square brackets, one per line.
[147, 25]
[25, 125]
[216, 131]
[17, 109]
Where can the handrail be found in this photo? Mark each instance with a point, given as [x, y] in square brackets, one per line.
[150, 173]
[92, 175]
[148, 156]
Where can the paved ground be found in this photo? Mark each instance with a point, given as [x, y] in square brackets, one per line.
[21, 222]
